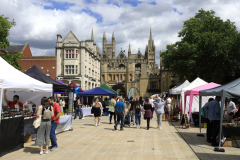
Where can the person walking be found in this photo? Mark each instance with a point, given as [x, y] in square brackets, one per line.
[77, 108]
[80, 107]
[159, 108]
[130, 110]
[54, 122]
[65, 107]
[148, 111]
[120, 112]
[43, 133]
[112, 109]
[137, 111]
[97, 110]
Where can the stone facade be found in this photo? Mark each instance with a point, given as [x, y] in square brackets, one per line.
[137, 70]
[78, 61]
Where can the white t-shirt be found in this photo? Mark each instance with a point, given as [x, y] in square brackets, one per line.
[169, 100]
[231, 107]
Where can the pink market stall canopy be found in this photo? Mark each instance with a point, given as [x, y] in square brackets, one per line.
[195, 92]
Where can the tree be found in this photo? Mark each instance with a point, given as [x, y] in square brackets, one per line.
[13, 59]
[5, 26]
[209, 49]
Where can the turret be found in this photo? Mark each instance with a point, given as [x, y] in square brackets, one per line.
[59, 38]
[129, 51]
[92, 38]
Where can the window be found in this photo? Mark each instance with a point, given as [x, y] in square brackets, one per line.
[76, 55]
[66, 51]
[120, 77]
[66, 55]
[69, 69]
[72, 55]
[76, 51]
[114, 77]
[153, 84]
[48, 75]
[76, 69]
[72, 51]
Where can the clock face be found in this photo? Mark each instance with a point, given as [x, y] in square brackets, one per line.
[121, 56]
[139, 56]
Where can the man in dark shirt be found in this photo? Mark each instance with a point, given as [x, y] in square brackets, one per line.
[130, 109]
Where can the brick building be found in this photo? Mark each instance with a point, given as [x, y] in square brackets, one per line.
[47, 64]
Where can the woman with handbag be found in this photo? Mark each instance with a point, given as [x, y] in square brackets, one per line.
[45, 112]
[148, 111]
[97, 110]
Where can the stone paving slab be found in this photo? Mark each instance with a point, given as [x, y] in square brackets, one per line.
[89, 142]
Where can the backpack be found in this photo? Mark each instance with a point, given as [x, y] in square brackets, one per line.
[137, 110]
[47, 113]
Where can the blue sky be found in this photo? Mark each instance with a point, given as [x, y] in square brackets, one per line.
[39, 21]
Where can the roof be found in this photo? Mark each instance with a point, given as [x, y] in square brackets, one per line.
[15, 48]
[104, 86]
[97, 92]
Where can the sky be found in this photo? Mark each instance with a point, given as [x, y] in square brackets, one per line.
[39, 21]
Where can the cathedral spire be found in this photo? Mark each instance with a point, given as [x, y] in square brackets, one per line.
[150, 33]
[113, 35]
[129, 48]
[92, 38]
[104, 35]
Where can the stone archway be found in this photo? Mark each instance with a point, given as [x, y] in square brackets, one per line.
[121, 89]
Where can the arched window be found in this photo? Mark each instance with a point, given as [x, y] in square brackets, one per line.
[122, 65]
[48, 75]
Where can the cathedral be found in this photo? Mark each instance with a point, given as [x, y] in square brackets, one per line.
[137, 72]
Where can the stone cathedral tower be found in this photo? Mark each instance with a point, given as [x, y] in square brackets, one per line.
[133, 70]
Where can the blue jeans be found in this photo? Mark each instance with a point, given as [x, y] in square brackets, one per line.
[119, 117]
[53, 134]
[79, 113]
[138, 118]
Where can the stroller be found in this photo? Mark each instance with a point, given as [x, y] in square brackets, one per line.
[127, 120]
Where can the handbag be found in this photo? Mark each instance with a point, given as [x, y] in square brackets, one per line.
[37, 122]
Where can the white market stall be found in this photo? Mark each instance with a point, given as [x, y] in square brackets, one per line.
[195, 102]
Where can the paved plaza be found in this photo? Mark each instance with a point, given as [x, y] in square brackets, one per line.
[89, 142]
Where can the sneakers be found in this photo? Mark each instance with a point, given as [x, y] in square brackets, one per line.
[98, 123]
[95, 125]
[54, 149]
[115, 127]
[121, 129]
[41, 153]
[45, 152]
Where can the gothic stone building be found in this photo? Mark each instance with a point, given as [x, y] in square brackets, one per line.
[78, 61]
[137, 70]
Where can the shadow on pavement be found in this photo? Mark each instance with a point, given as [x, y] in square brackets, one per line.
[31, 150]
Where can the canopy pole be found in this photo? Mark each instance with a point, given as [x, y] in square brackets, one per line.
[200, 115]
[219, 149]
[1, 103]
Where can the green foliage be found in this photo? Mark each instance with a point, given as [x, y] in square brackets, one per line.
[5, 26]
[13, 59]
[209, 49]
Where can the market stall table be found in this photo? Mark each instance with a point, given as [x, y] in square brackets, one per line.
[65, 123]
[86, 111]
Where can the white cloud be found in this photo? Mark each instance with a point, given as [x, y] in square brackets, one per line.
[39, 26]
